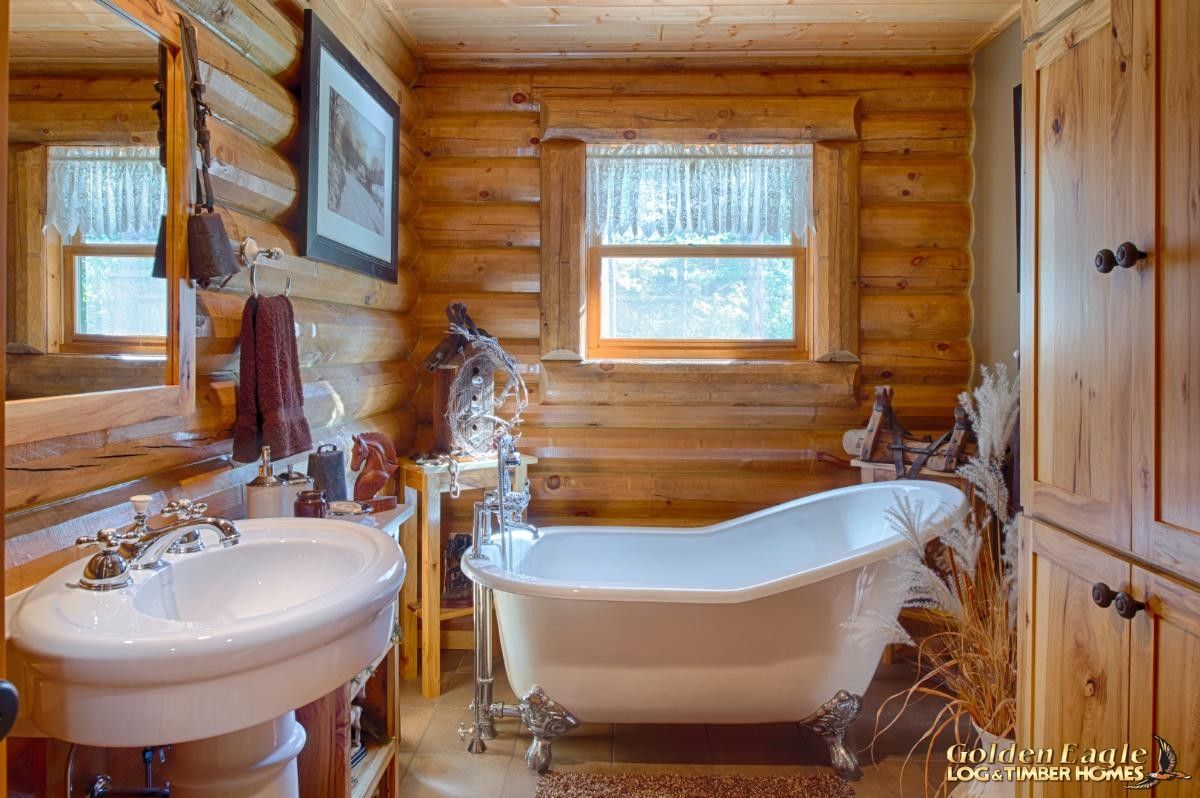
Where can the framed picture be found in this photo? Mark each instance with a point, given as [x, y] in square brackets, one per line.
[350, 135]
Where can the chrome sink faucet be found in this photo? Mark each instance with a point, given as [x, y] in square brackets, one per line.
[142, 548]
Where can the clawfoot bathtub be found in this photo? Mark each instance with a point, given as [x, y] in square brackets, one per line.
[740, 622]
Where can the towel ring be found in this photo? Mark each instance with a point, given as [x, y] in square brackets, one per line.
[251, 253]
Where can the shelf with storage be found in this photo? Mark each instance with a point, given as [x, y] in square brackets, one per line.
[324, 764]
[428, 626]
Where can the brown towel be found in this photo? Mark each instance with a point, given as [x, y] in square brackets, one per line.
[270, 396]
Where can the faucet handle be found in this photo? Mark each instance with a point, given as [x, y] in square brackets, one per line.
[141, 504]
[185, 509]
[107, 538]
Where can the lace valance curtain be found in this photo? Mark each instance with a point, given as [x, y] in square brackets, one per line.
[109, 194]
[698, 194]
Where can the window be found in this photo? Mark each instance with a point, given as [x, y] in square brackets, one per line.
[112, 293]
[106, 204]
[696, 251]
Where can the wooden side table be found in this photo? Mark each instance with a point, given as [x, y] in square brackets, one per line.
[421, 605]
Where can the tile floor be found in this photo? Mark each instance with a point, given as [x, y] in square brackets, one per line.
[437, 766]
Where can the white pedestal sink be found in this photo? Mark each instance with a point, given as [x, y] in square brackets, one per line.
[213, 653]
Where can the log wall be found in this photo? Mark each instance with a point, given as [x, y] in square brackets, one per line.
[356, 333]
[633, 444]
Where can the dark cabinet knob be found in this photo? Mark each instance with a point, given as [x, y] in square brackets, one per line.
[9, 704]
[1128, 254]
[1127, 606]
[1106, 261]
[1102, 594]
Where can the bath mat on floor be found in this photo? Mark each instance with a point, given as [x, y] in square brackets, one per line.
[636, 785]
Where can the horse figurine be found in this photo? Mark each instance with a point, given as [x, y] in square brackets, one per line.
[374, 453]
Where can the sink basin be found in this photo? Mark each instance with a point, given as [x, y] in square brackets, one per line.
[219, 641]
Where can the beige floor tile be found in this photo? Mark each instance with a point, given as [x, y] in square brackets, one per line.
[442, 734]
[661, 768]
[457, 688]
[409, 695]
[661, 744]
[768, 744]
[501, 689]
[413, 723]
[457, 775]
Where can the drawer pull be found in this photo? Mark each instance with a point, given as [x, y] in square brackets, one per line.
[1106, 261]
[1102, 594]
[1127, 606]
[1128, 254]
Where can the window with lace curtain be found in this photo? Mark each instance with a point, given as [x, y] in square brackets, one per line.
[697, 251]
[105, 202]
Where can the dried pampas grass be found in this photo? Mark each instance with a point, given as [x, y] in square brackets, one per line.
[965, 582]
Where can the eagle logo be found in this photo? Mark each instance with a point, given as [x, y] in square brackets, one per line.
[1167, 759]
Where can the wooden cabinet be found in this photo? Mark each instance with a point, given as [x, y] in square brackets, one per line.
[1110, 377]
[1075, 654]
[1166, 376]
[1089, 675]
[1164, 653]
[1081, 123]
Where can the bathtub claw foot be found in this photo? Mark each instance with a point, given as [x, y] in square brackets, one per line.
[546, 720]
[831, 722]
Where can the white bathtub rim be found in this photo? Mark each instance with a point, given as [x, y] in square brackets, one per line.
[490, 574]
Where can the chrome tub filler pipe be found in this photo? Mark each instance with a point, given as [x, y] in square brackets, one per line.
[501, 513]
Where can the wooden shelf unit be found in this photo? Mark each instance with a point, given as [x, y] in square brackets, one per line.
[324, 764]
[420, 607]
[368, 775]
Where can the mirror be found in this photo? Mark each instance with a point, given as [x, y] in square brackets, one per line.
[87, 192]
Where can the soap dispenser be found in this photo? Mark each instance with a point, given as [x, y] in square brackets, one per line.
[267, 496]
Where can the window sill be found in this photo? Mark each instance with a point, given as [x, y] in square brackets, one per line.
[654, 381]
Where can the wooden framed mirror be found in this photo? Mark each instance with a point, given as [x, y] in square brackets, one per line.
[94, 338]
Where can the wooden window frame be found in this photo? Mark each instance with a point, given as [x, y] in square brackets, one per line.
[75, 342]
[598, 347]
[828, 308]
[31, 420]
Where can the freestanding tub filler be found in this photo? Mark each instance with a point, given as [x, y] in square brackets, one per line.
[740, 622]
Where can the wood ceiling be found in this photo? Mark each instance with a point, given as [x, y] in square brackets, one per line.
[485, 29]
[80, 37]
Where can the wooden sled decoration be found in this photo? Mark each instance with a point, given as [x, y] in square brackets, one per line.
[887, 440]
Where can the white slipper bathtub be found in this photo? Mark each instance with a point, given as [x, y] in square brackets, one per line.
[740, 622]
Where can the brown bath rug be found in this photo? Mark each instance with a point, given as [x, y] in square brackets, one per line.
[636, 785]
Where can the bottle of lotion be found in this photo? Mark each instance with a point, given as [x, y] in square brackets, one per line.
[267, 496]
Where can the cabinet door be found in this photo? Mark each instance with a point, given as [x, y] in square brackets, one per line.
[1165, 693]
[1038, 16]
[1082, 90]
[1167, 333]
[1074, 661]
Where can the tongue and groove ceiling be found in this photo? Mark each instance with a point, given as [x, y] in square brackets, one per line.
[482, 29]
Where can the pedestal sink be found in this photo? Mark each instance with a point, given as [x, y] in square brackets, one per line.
[213, 653]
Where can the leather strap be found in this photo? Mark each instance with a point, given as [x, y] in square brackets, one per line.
[204, 190]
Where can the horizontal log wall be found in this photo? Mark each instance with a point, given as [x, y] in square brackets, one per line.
[685, 444]
[356, 333]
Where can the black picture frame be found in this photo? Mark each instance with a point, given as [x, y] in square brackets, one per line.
[314, 141]
[1017, 122]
